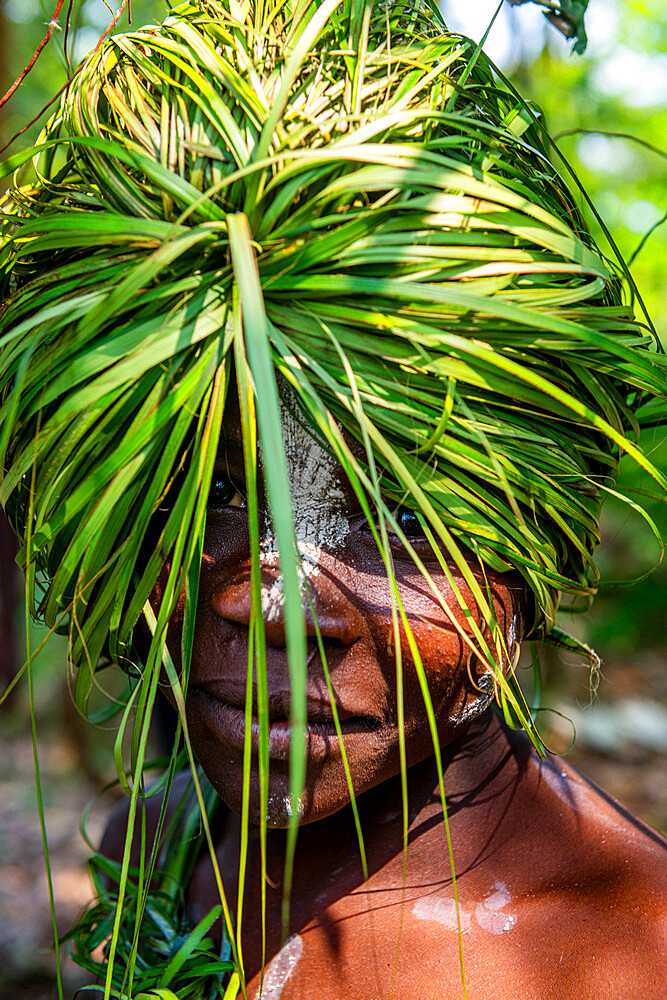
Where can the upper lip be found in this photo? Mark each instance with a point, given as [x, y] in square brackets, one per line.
[318, 709]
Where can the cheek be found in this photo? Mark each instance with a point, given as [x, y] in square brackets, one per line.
[443, 641]
[226, 545]
[437, 638]
[226, 557]
[157, 596]
[226, 539]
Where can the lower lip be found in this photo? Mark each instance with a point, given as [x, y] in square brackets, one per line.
[320, 737]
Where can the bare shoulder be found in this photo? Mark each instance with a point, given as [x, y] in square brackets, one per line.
[607, 833]
[561, 892]
[598, 910]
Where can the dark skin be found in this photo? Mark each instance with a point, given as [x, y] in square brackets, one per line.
[559, 888]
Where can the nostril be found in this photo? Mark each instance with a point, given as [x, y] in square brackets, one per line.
[337, 619]
[336, 626]
[341, 628]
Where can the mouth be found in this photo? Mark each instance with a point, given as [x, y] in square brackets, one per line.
[321, 735]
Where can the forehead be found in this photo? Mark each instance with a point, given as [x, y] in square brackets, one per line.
[298, 434]
[315, 481]
[318, 486]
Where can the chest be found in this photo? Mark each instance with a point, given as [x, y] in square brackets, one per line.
[409, 944]
[399, 934]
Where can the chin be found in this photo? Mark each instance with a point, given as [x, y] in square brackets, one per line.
[326, 791]
[280, 807]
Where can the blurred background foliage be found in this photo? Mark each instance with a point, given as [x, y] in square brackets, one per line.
[618, 86]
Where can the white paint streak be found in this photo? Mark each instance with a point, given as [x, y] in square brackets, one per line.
[279, 808]
[317, 498]
[489, 913]
[300, 807]
[442, 911]
[314, 479]
[280, 968]
[273, 598]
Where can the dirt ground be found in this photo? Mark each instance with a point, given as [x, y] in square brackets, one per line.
[622, 745]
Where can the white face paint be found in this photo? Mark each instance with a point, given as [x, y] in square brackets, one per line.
[280, 968]
[315, 486]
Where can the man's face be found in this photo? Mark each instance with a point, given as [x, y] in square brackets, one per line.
[344, 575]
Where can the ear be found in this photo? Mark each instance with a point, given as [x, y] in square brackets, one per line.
[516, 624]
[510, 603]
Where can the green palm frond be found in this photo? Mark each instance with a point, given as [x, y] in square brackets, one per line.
[343, 198]
[439, 248]
[163, 949]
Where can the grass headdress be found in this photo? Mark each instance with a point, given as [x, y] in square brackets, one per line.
[347, 196]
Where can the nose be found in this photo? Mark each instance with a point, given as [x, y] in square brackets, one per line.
[337, 619]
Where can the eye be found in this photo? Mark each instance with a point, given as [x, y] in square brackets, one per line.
[224, 493]
[409, 523]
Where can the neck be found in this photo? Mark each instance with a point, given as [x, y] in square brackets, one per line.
[481, 769]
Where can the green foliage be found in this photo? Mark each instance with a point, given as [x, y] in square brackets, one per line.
[169, 952]
[118, 179]
[343, 198]
[606, 111]
[161, 953]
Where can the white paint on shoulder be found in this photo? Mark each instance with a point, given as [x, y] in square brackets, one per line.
[491, 914]
[280, 968]
[441, 911]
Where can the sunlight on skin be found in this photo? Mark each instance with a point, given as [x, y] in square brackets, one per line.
[542, 820]
[280, 968]
[579, 876]
[350, 596]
